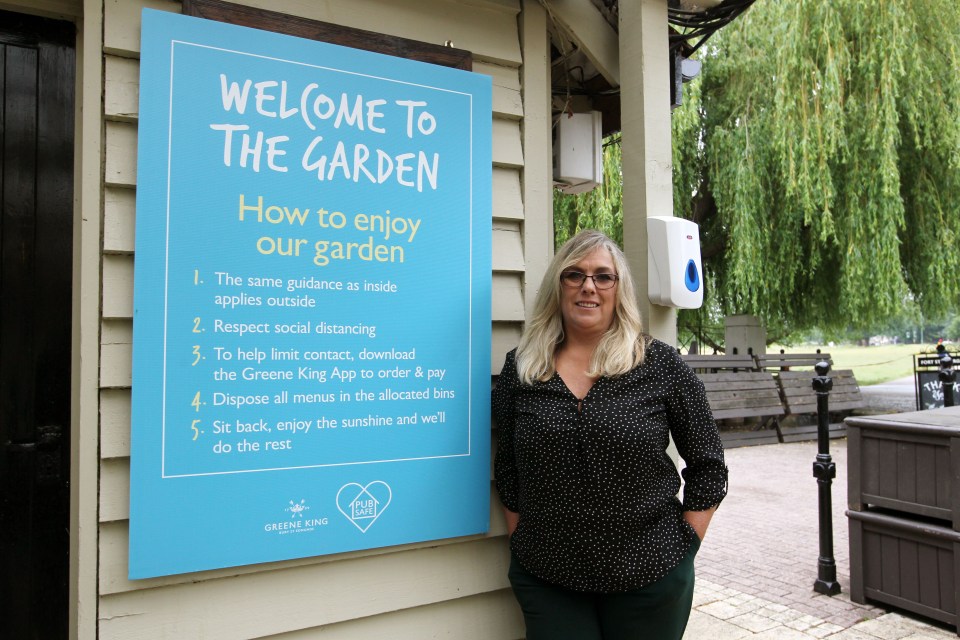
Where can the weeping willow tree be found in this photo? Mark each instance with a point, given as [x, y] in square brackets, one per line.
[819, 151]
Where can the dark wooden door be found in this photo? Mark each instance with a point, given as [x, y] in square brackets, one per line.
[37, 68]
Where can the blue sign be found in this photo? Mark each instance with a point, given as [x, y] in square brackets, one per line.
[312, 299]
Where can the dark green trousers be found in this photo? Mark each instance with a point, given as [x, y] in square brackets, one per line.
[656, 612]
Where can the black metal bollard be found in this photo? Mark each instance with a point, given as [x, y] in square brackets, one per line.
[947, 378]
[824, 470]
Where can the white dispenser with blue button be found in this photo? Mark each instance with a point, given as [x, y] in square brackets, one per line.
[675, 274]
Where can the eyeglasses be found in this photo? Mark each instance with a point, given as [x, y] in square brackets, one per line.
[600, 280]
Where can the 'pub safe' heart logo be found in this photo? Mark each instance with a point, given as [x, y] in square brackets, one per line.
[363, 505]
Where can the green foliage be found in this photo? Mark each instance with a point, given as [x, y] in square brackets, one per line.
[599, 209]
[820, 153]
[952, 330]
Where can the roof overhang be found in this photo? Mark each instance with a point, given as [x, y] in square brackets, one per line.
[585, 48]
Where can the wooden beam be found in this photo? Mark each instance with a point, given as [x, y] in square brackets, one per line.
[537, 177]
[646, 146]
[580, 21]
[326, 32]
[85, 350]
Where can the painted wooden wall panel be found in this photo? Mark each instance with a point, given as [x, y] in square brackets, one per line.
[507, 297]
[121, 154]
[114, 423]
[301, 597]
[490, 32]
[507, 246]
[480, 617]
[507, 202]
[121, 91]
[507, 100]
[118, 286]
[114, 536]
[114, 489]
[506, 336]
[122, 76]
[116, 351]
[507, 148]
[460, 584]
[121, 24]
[119, 220]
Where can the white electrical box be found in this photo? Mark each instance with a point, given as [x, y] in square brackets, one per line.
[578, 152]
[675, 274]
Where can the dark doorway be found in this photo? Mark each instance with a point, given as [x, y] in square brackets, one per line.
[37, 69]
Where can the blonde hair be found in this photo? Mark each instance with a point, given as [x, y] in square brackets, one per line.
[620, 349]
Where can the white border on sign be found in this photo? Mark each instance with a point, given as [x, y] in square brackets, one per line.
[163, 473]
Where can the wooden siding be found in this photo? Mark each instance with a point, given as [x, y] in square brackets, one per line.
[114, 423]
[121, 90]
[490, 33]
[116, 348]
[113, 557]
[120, 164]
[117, 286]
[478, 617]
[507, 297]
[507, 203]
[460, 586]
[506, 336]
[119, 218]
[259, 604]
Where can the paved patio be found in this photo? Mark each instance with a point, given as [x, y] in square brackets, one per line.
[756, 569]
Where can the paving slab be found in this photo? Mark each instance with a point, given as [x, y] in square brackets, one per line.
[758, 563]
[702, 625]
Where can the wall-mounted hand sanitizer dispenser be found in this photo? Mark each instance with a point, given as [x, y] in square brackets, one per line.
[675, 275]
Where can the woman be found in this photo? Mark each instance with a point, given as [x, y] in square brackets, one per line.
[601, 547]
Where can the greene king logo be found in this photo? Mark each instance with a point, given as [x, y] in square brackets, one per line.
[362, 505]
[297, 523]
[296, 508]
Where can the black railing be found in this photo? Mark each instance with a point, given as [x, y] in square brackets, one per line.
[824, 470]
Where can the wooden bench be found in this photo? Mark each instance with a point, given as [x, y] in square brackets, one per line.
[736, 390]
[796, 387]
[785, 361]
[715, 363]
[799, 397]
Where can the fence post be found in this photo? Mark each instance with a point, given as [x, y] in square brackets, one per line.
[947, 378]
[824, 470]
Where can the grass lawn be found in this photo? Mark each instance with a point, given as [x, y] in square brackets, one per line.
[871, 365]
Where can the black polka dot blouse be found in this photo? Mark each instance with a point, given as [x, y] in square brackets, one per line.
[593, 484]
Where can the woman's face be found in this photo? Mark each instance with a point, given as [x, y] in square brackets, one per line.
[586, 308]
